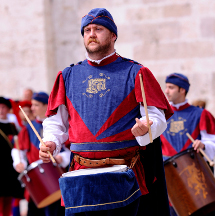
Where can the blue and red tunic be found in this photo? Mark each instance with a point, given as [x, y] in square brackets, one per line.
[29, 141]
[103, 101]
[186, 119]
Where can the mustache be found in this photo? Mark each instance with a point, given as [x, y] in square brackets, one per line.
[92, 40]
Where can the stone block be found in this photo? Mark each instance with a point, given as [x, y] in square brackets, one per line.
[179, 10]
[207, 27]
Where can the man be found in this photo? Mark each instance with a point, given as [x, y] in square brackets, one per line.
[9, 185]
[99, 102]
[29, 148]
[199, 123]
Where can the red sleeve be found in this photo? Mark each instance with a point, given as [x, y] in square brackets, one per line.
[23, 139]
[207, 122]
[153, 92]
[57, 96]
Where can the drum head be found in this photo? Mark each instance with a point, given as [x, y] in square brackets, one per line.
[90, 171]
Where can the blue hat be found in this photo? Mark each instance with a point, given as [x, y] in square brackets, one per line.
[99, 16]
[179, 80]
[41, 97]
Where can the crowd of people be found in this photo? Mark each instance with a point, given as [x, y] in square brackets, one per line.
[21, 149]
[97, 110]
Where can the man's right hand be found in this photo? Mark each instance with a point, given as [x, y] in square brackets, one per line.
[43, 154]
[20, 167]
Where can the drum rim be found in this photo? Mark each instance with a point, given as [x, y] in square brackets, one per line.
[30, 167]
[178, 155]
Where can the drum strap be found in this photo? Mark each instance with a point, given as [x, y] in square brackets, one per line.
[106, 161]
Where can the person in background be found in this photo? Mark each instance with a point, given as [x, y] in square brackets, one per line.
[198, 122]
[10, 187]
[27, 94]
[98, 104]
[26, 106]
[29, 151]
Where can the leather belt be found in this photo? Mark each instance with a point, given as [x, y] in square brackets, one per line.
[106, 161]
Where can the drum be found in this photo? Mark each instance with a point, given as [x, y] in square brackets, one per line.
[97, 189]
[190, 184]
[41, 180]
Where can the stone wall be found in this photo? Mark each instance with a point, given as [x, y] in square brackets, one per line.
[41, 37]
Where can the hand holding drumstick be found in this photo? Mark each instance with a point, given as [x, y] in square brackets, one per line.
[48, 149]
[200, 150]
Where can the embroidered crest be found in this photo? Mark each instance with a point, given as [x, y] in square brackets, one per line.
[177, 126]
[96, 85]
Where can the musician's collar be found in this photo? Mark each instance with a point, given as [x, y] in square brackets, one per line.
[39, 120]
[179, 104]
[99, 61]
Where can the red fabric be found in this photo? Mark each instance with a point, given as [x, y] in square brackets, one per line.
[195, 135]
[207, 122]
[25, 144]
[181, 107]
[105, 61]
[128, 104]
[153, 93]
[5, 206]
[57, 96]
[24, 141]
[15, 108]
[167, 149]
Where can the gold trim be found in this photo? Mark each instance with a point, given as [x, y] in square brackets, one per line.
[105, 203]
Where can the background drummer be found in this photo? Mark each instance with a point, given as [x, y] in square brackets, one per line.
[198, 122]
[29, 151]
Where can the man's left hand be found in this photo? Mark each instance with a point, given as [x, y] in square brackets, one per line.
[140, 128]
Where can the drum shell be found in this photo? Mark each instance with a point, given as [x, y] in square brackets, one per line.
[43, 187]
[190, 184]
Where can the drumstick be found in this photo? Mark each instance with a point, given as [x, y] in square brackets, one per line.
[17, 146]
[209, 160]
[145, 107]
[36, 133]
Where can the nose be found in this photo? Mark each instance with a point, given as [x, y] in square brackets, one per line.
[92, 33]
[166, 90]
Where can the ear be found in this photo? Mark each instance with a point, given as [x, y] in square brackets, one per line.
[113, 36]
[182, 90]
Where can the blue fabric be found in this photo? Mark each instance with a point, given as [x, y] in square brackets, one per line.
[33, 138]
[106, 86]
[41, 97]
[179, 80]
[99, 16]
[98, 192]
[178, 125]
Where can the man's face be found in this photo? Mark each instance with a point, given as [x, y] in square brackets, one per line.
[174, 93]
[38, 108]
[4, 110]
[98, 39]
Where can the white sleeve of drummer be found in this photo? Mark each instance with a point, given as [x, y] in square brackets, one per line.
[209, 141]
[55, 128]
[18, 155]
[157, 128]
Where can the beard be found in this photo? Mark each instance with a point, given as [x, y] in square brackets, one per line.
[99, 49]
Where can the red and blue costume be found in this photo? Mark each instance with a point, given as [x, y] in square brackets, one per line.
[186, 119]
[102, 102]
